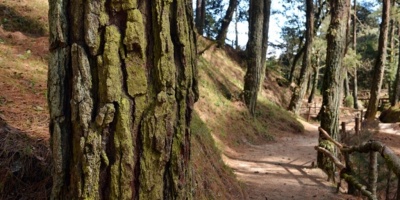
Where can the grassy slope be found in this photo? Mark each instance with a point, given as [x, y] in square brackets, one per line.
[219, 113]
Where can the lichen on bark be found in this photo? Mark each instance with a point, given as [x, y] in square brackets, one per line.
[121, 90]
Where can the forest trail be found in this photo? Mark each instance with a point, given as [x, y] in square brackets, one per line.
[283, 169]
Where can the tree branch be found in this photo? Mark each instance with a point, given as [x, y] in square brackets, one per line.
[327, 136]
[331, 156]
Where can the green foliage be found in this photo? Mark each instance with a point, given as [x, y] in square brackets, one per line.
[351, 60]
[348, 101]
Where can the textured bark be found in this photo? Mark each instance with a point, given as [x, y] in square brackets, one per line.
[300, 91]
[121, 88]
[332, 82]
[225, 22]
[252, 79]
[200, 16]
[379, 68]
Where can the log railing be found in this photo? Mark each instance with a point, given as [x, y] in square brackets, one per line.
[373, 148]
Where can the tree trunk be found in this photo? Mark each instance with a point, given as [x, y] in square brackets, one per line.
[121, 85]
[396, 86]
[332, 82]
[355, 89]
[355, 86]
[252, 79]
[200, 16]
[236, 30]
[299, 92]
[379, 68]
[346, 85]
[315, 81]
[225, 22]
[295, 60]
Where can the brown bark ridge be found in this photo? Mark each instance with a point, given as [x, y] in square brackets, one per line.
[379, 68]
[225, 22]
[332, 82]
[252, 79]
[121, 88]
[302, 82]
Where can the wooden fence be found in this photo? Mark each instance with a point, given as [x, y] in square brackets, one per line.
[373, 148]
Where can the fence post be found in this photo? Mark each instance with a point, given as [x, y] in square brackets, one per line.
[344, 130]
[398, 188]
[357, 120]
[362, 116]
[373, 172]
[315, 107]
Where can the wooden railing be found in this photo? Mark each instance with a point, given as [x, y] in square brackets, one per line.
[373, 148]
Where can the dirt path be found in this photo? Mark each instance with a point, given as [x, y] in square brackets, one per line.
[283, 169]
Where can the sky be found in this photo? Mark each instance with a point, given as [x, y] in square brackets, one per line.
[275, 24]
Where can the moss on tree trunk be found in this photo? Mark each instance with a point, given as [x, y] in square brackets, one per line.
[332, 82]
[121, 91]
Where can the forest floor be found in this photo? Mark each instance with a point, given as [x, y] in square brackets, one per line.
[286, 167]
[283, 169]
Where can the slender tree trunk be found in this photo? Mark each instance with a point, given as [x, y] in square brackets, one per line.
[355, 86]
[255, 57]
[236, 29]
[379, 68]
[346, 85]
[315, 80]
[200, 16]
[396, 87]
[121, 85]
[267, 13]
[225, 22]
[309, 83]
[332, 83]
[299, 92]
[295, 60]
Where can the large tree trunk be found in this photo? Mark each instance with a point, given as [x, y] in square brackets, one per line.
[121, 90]
[200, 16]
[332, 82]
[300, 90]
[252, 79]
[225, 22]
[379, 68]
